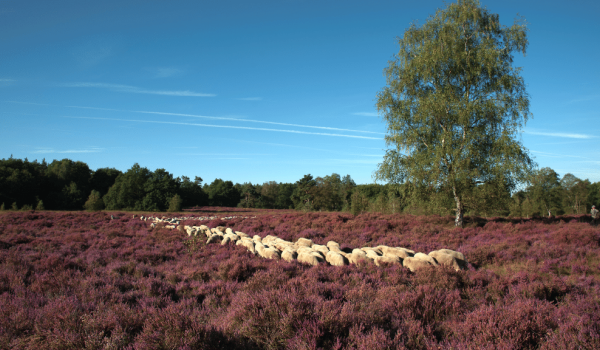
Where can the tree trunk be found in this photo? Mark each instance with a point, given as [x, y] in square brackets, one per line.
[459, 210]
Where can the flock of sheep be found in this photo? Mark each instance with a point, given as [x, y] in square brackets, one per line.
[175, 221]
[307, 252]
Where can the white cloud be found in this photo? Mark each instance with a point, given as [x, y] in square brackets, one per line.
[367, 114]
[250, 99]
[234, 127]
[560, 134]
[137, 90]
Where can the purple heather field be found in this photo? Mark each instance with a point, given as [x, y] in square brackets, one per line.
[78, 280]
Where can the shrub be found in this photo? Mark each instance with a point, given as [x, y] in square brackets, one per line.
[40, 205]
[26, 207]
[175, 204]
[94, 202]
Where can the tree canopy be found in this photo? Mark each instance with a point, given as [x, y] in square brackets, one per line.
[454, 104]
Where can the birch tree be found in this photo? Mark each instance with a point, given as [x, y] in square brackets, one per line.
[454, 104]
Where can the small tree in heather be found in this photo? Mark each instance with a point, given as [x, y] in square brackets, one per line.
[14, 206]
[40, 205]
[454, 105]
[175, 204]
[94, 202]
[2, 207]
[359, 203]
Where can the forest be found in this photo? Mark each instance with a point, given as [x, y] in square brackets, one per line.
[71, 185]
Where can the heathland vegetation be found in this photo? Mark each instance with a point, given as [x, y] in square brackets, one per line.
[72, 185]
[80, 280]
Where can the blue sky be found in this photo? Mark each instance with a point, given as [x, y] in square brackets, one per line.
[255, 91]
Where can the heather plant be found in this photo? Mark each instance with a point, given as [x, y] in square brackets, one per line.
[82, 280]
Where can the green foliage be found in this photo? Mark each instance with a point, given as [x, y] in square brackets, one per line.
[26, 207]
[222, 193]
[94, 202]
[128, 189]
[103, 178]
[575, 194]
[269, 192]
[594, 195]
[2, 208]
[14, 206]
[303, 194]
[191, 192]
[68, 183]
[490, 199]
[141, 189]
[250, 195]
[175, 204]
[454, 104]
[194, 244]
[332, 192]
[284, 196]
[327, 193]
[159, 189]
[529, 208]
[545, 192]
[515, 206]
[360, 203]
[21, 181]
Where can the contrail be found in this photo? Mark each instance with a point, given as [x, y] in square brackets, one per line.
[260, 121]
[230, 127]
[210, 117]
[560, 134]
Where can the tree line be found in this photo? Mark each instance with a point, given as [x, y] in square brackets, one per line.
[71, 185]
